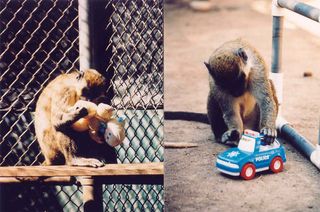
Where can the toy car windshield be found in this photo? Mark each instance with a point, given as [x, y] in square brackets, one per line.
[247, 143]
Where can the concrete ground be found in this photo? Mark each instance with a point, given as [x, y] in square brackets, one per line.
[192, 182]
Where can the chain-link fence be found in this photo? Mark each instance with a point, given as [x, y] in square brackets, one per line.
[40, 40]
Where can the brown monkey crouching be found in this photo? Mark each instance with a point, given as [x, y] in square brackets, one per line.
[59, 143]
[241, 95]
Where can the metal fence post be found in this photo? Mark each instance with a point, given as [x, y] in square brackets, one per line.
[288, 133]
[100, 36]
[276, 72]
[94, 39]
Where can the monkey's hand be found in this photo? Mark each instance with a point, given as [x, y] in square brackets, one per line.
[89, 106]
[77, 112]
[67, 118]
[82, 112]
[269, 134]
[232, 135]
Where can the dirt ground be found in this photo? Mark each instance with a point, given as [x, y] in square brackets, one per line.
[192, 182]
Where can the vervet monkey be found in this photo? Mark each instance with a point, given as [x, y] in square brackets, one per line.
[241, 95]
[54, 116]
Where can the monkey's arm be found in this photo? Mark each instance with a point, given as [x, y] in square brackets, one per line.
[63, 115]
[232, 118]
[266, 99]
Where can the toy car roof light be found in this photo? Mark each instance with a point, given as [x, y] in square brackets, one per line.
[252, 133]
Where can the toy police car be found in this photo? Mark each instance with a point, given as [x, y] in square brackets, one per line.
[252, 155]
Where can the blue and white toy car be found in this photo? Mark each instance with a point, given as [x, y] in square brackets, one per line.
[252, 155]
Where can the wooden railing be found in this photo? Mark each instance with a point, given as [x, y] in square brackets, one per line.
[91, 179]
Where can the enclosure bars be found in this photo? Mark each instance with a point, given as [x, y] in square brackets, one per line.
[94, 37]
[283, 126]
[93, 40]
[92, 190]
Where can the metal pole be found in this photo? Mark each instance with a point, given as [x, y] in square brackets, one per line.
[301, 8]
[287, 132]
[298, 141]
[277, 26]
[276, 72]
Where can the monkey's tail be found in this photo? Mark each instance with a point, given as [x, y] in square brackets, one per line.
[186, 116]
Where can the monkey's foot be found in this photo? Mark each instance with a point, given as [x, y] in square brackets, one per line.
[230, 136]
[89, 162]
[269, 134]
[45, 163]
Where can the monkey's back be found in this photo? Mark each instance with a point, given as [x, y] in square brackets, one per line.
[44, 111]
[226, 51]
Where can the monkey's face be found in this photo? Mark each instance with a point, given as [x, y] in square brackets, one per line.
[92, 94]
[235, 85]
[238, 85]
[227, 72]
[95, 86]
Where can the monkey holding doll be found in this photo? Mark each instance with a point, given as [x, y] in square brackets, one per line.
[241, 95]
[55, 115]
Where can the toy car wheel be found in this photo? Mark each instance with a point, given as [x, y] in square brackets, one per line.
[276, 164]
[248, 171]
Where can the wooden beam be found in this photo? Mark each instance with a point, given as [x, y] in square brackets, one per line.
[107, 180]
[133, 169]
[46, 180]
[179, 145]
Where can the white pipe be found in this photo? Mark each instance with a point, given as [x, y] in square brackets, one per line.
[315, 156]
[276, 10]
[280, 122]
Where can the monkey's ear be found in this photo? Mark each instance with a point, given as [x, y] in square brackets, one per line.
[208, 66]
[242, 54]
[211, 72]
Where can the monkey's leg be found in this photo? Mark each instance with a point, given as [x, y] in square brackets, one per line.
[215, 117]
[49, 148]
[63, 116]
[68, 149]
[50, 157]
